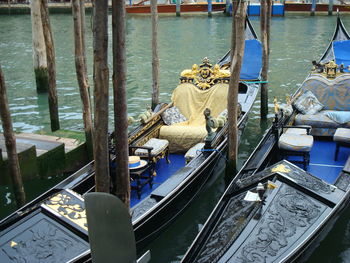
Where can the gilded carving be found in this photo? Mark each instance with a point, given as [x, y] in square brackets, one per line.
[280, 168]
[205, 76]
[144, 129]
[70, 207]
[331, 69]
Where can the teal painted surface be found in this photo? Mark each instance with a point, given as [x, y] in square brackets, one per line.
[296, 40]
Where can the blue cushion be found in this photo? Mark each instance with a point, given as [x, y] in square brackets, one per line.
[339, 116]
[307, 103]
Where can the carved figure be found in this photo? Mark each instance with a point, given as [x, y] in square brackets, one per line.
[331, 69]
[190, 73]
[220, 73]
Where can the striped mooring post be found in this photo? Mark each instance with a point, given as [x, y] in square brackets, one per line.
[313, 8]
[210, 8]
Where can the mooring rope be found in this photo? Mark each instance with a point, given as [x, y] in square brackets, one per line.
[255, 82]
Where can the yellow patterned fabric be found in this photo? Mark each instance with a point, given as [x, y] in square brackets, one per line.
[182, 138]
[192, 102]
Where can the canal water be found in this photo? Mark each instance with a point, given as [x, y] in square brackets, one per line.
[296, 40]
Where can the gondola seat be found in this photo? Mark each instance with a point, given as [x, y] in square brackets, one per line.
[296, 142]
[191, 102]
[193, 152]
[334, 95]
[159, 149]
[341, 138]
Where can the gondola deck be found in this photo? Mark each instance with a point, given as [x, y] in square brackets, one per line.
[322, 163]
[164, 170]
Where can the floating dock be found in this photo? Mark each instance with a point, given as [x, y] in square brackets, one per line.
[42, 156]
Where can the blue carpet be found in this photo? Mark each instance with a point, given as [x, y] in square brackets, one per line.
[322, 162]
[164, 171]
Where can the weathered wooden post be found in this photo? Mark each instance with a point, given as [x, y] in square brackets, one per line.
[265, 17]
[313, 8]
[330, 7]
[210, 8]
[82, 19]
[155, 58]
[51, 66]
[101, 156]
[39, 49]
[178, 7]
[10, 142]
[80, 66]
[237, 44]
[120, 105]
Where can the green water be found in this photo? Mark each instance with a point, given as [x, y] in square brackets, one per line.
[295, 41]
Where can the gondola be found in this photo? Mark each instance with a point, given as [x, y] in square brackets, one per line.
[296, 183]
[52, 228]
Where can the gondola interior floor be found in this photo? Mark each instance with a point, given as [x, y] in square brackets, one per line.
[164, 171]
[322, 163]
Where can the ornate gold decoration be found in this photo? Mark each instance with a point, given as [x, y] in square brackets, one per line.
[331, 69]
[144, 129]
[280, 168]
[13, 244]
[288, 100]
[276, 105]
[70, 207]
[205, 76]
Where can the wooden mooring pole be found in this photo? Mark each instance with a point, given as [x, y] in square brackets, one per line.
[178, 7]
[81, 70]
[330, 7]
[120, 104]
[265, 17]
[10, 142]
[237, 44]
[101, 81]
[227, 9]
[155, 58]
[51, 65]
[39, 49]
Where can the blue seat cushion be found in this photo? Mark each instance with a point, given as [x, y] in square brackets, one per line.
[339, 116]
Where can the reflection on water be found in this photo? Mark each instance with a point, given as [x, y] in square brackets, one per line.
[296, 40]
